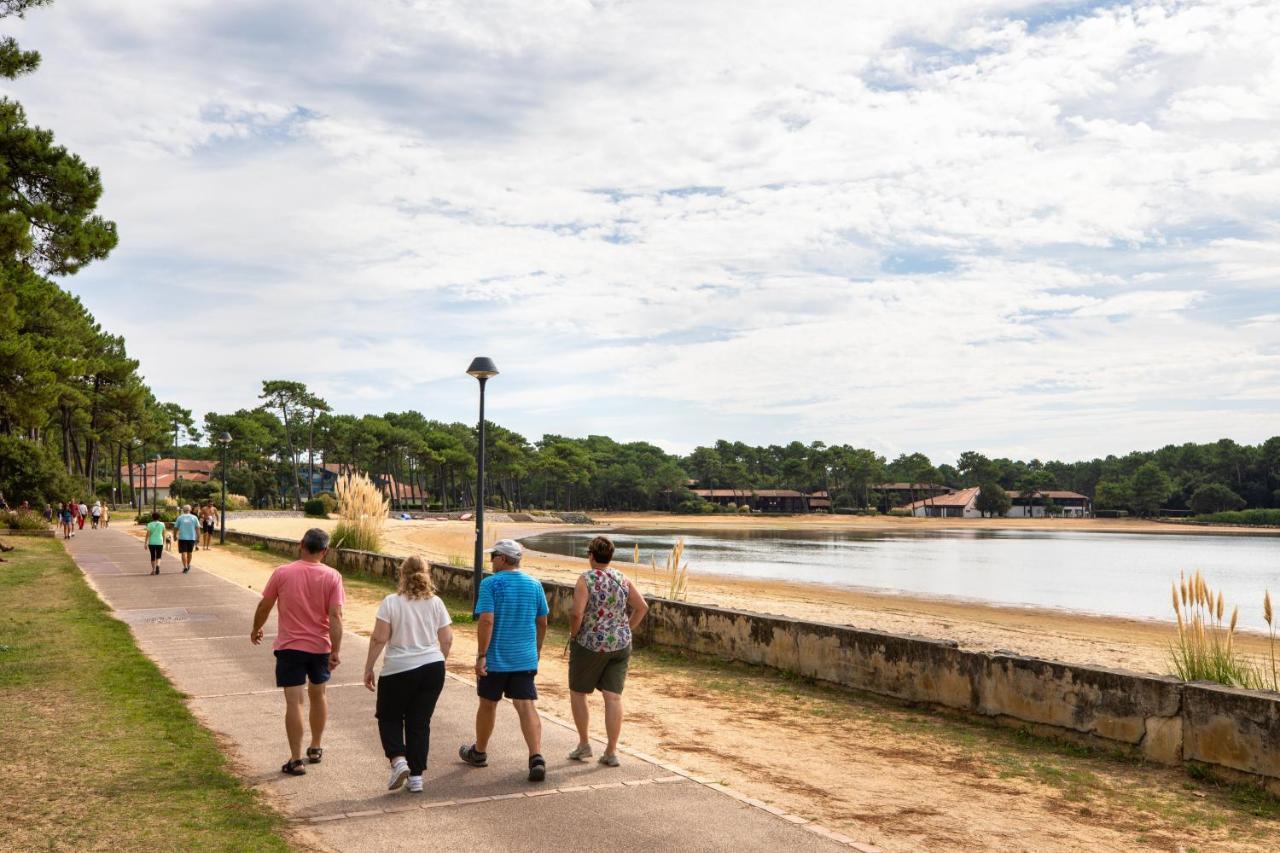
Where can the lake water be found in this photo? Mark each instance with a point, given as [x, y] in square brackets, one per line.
[1116, 574]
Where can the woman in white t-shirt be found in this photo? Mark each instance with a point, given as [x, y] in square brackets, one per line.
[413, 626]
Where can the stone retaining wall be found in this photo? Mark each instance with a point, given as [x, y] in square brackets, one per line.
[1236, 732]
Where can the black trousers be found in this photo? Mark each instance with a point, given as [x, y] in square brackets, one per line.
[406, 702]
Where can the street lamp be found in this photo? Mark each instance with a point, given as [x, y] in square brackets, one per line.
[155, 480]
[481, 368]
[175, 456]
[141, 499]
[224, 440]
[134, 498]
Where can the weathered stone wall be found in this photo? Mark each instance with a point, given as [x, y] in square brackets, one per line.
[1160, 718]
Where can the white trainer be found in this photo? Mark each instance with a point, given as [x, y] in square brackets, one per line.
[415, 784]
[399, 772]
[581, 753]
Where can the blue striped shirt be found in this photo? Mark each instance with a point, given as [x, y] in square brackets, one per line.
[516, 600]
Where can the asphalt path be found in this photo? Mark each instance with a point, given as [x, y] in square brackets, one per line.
[196, 628]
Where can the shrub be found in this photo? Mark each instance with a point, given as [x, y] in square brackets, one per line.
[24, 520]
[1214, 497]
[731, 506]
[854, 510]
[168, 515]
[745, 508]
[1245, 516]
[900, 512]
[693, 506]
[189, 491]
[235, 502]
[315, 508]
[33, 472]
[329, 501]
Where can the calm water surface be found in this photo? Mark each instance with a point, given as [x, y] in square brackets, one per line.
[1117, 574]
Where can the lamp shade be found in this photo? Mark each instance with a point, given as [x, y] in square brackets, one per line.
[225, 438]
[482, 368]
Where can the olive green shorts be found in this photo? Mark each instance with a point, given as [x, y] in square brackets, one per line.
[589, 670]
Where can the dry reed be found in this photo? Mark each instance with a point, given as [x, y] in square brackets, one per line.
[1205, 648]
[361, 511]
[1269, 617]
[676, 576]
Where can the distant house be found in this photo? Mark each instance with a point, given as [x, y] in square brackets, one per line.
[947, 505]
[160, 475]
[760, 500]
[961, 504]
[899, 494]
[819, 502]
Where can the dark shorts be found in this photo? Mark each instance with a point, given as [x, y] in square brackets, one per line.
[590, 670]
[294, 667]
[157, 551]
[186, 546]
[208, 527]
[514, 685]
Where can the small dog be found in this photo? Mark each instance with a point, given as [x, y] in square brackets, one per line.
[168, 541]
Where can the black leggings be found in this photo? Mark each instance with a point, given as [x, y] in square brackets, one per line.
[406, 702]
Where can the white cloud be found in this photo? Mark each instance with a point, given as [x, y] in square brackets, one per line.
[917, 226]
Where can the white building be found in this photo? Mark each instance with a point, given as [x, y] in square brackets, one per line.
[962, 504]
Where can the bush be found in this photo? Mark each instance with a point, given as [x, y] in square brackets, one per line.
[693, 506]
[1214, 497]
[329, 501]
[900, 512]
[189, 491]
[235, 502]
[167, 514]
[20, 520]
[853, 510]
[745, 508]
[1247, 516]
[315, 508]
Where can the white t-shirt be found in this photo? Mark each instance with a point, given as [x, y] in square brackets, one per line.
[415, 626]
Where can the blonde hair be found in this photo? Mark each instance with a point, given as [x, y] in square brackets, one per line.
[415, 579]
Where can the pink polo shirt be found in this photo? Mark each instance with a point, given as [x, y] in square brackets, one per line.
[304, 593]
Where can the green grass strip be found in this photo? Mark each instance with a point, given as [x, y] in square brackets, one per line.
[97, 749]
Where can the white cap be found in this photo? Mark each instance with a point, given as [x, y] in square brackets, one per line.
[508, 548]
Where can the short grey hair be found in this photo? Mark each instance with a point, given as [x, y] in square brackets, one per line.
[315, 540]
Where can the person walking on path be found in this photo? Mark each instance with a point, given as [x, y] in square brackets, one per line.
[606, 609]
[512, 624]
[106, 515]
[65, 518]
[413, 625]
[74, 506]
[208, 518]
[96, 514]
[84, 511]
[155, 541]
[187, 527]
[308, 638]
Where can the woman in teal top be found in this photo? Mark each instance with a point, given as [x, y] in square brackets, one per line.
[155, 541]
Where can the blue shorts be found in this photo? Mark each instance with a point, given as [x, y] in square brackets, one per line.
[294, 667]
[515, 685]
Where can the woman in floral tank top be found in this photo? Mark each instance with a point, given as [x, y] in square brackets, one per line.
[606, 607]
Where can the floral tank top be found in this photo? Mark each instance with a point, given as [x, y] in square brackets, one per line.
[605, 626]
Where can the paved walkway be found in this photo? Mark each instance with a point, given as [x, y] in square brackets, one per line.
[196, 627]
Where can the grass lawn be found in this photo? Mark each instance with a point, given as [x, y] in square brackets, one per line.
[97, 749]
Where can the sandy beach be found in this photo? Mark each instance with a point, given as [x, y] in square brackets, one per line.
[1135, 644]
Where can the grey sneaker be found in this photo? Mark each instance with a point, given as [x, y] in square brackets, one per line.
[399, 772]
[581, 753]
[609, 759]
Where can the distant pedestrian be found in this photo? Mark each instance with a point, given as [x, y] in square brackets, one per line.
[49, 514]
[106, 515]
[187, 528]
[606, 609]
[65, 520]
[74, 506]
[209, 518]
[308, 637]
[512, 624]
[84, 513]
[95, 513]
[155, 541]
[413, 625]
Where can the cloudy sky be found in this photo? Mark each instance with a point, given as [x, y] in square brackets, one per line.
[1036, 229]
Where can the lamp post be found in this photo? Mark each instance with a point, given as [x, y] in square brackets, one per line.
[141, 499]
[175, 456]
[482, 369]
[224, 440]
[155, 480]
[134, 498]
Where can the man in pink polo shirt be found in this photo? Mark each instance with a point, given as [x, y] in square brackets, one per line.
[307, 640]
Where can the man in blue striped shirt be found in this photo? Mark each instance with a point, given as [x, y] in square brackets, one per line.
[512, 623]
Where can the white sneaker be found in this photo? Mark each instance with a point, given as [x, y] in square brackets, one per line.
[399, 772]
[415, 784]
[581, 753]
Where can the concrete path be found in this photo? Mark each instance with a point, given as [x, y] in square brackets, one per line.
[196, 627]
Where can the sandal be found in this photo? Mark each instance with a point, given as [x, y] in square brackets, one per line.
[314, 754]
[537, 768]
[472, 756]
[294, 767]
